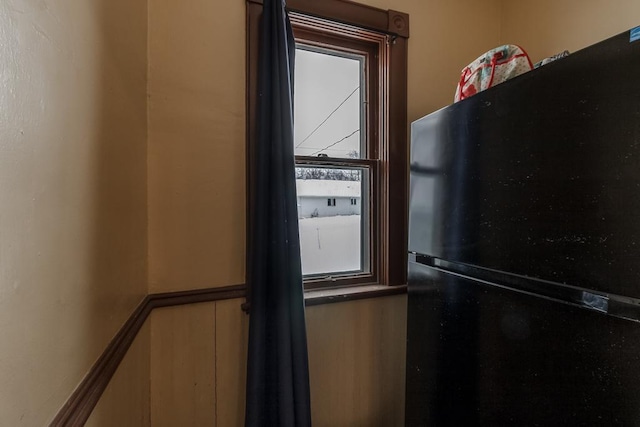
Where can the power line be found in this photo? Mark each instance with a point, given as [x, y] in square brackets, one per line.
[337, 142]
[328, 117]
[325, 149]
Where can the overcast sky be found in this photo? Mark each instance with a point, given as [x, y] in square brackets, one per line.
[322, 83]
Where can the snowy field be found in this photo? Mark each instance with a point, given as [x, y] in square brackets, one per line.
[330, 244]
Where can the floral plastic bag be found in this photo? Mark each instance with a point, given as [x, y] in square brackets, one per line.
[494, 67]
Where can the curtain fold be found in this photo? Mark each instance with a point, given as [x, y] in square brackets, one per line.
[277, 365]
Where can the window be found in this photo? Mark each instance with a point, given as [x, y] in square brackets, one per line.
[337, 139]
[350, 139]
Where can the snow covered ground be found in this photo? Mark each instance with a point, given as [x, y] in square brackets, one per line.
[330, 244]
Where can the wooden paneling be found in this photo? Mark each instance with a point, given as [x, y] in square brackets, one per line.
[232, 332]
[198, 354]
[183, 370]
[357, 362]
[356, 355]
[198, 366]
[125, 402]
[78, 407]
[85, 397]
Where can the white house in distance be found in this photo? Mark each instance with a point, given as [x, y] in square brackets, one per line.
[325, 197]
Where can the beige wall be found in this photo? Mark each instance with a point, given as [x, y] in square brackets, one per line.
[546, 27]
[72, 192]
[196, 144]
[445, 36]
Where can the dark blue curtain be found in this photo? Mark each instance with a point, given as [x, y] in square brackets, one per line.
[277, 367]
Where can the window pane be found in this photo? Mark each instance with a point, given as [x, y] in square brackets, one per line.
[328, 103]
[331, 225]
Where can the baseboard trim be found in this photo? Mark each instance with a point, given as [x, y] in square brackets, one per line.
[78, 408]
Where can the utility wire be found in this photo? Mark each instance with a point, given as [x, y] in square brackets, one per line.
[324, 149]
[328, 117]
[337, 142]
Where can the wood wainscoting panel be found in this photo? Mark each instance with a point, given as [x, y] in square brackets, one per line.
[232, 336]
[357, 362]
[187, 365]
[183, 365]
[125, 401]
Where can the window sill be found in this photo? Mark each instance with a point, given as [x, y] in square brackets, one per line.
[329, 296]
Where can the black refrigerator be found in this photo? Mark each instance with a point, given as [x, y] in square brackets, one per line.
[524, 249]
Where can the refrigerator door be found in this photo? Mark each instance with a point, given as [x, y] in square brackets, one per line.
[479, 355]
[538, 176]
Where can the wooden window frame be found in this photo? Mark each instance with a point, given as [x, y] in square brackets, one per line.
[372, 46]
[389, 247]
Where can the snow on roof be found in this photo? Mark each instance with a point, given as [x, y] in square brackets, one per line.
[327, 188]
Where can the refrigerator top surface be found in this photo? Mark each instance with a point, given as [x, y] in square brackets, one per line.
[538, 176]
